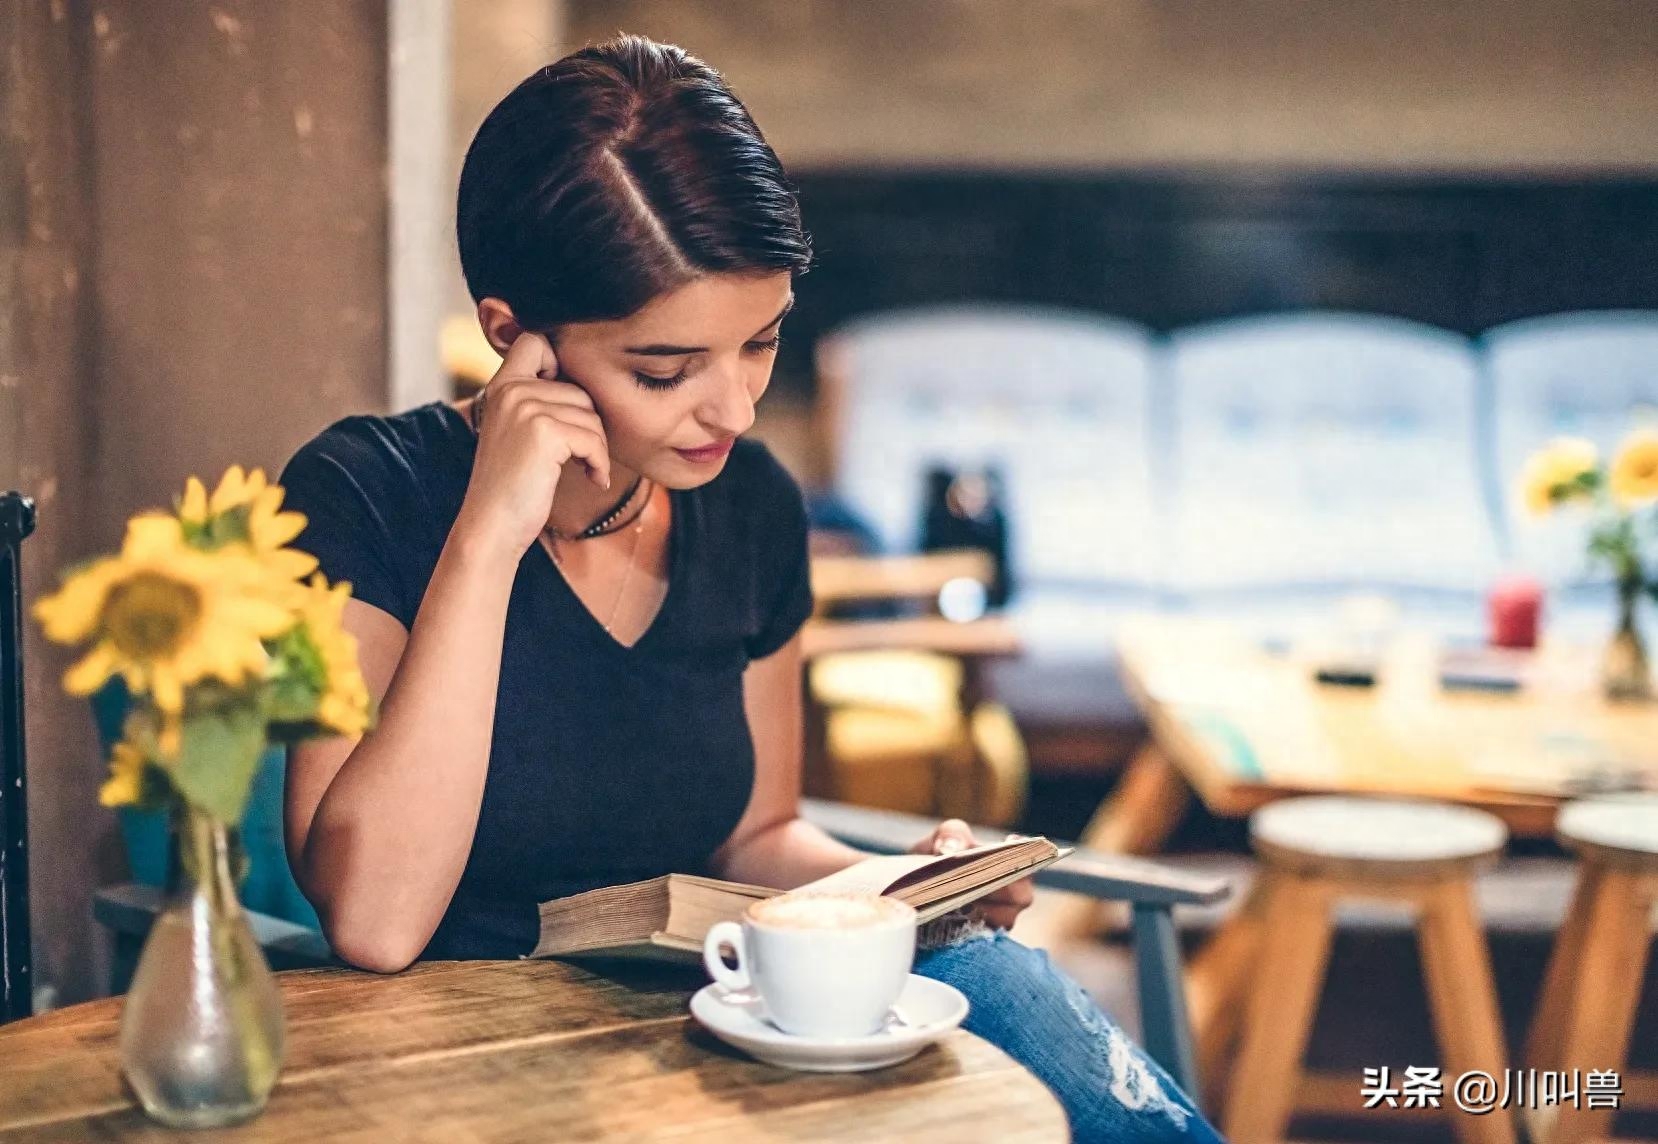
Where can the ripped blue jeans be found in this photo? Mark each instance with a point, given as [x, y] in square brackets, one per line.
[1041, 1018]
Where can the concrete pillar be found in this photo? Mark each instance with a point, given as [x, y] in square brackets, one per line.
[200, 265]
[47, 390]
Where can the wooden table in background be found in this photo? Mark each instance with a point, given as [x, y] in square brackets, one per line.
[529, 1050]
[1240, 726]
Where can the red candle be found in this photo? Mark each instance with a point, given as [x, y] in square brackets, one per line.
[1515, 605]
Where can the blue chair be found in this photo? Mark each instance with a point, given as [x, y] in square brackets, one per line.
[282, 920]
[269, 886]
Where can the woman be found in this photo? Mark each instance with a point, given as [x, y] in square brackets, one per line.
[578, 596]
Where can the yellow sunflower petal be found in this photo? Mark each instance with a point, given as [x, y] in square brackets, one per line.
[279, 530]
[125, 784]
[152, 535]
[1552, 474]
[231, 491]
[71, 613]
[290, 563]
[1634, 475]
[167, 689]
[93, 671]
[193, 509]
[263, 618]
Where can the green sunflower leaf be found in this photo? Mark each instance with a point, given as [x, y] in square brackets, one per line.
[218, 758]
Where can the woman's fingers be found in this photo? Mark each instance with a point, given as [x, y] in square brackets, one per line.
[585, 443]
[953, 836]
[998, 917]
[530, 355]
[507, 392]
[1002, 908]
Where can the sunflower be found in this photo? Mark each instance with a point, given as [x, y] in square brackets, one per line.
[1634, 475]
[246, 508]
[1564, 469]
[165, 615]
[344, 706]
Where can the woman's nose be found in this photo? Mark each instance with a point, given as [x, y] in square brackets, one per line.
[730, 409]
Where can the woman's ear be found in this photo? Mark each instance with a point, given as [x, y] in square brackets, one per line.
[499, 326]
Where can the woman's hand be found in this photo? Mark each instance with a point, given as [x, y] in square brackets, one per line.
[532, 425]
[998, 910]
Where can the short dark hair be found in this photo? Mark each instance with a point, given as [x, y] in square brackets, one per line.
[617, 174]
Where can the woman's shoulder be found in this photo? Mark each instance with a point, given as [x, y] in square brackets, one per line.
[379, 442]
[378, 494]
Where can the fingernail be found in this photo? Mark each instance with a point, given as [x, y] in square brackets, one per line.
[951, 845]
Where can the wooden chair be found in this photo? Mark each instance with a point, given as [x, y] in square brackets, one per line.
[896, 708]
[1259, 980]
[17, 521]
[1586, 1012]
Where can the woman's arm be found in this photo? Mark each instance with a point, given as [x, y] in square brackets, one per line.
[379, 829]
[773, 845]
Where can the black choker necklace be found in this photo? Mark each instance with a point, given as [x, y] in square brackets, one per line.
[605, 523]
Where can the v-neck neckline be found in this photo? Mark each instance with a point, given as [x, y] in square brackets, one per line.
[675, 575]
[677, 504]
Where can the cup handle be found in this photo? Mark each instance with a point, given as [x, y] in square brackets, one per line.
[719, 935]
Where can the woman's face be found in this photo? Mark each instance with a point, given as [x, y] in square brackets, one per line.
[676, 383]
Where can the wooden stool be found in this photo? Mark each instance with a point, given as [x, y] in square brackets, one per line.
[1315, 852]
[1593, 986]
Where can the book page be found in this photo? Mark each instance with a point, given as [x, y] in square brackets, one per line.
[967, 897]
[872, 875]
[880, 875]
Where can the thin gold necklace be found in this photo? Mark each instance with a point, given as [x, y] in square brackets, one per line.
[627, 576]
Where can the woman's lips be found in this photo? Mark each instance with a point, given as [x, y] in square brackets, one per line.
[707, 453]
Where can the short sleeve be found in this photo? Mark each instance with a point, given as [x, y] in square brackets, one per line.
[785, 586]
[347, 491]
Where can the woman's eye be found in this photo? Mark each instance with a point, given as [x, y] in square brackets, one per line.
[652, 381]
[768, 346]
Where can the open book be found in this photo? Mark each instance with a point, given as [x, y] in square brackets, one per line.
[667, 917]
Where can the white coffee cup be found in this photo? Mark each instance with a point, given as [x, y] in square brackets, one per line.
[826, 965]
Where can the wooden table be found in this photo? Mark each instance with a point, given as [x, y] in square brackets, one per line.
[1241, 726]
[529, 1050]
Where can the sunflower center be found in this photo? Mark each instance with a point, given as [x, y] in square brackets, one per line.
[149, 615]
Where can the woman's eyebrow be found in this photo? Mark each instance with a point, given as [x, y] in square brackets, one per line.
[682, 351]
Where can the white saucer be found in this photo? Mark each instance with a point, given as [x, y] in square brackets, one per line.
[932, 1009]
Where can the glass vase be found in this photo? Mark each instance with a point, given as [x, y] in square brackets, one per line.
[201, 1032]
[1625, 674]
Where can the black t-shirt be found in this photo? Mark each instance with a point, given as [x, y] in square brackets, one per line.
[608, 764]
